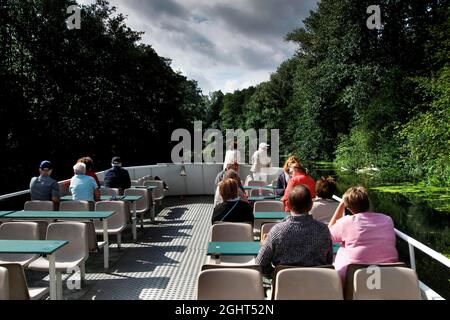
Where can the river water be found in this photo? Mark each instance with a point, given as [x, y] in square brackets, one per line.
[414, 216]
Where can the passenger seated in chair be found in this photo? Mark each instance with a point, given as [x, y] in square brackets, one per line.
[285, 176]
[324, 206]
[299, 175]
[366, 237]
[117, 177]
[231, 174]
[299, 240]
[45, 188]
[232, 165]
[83, 187]
[233, 208]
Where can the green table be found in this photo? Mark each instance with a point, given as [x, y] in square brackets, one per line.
[4, 213]
[145, 187]
[62, 215]
[108, 198]
[233, 248]
[262, 198]
[44, 247]
[270, 188]
[249, 248]
[279, 215]
[131, 199]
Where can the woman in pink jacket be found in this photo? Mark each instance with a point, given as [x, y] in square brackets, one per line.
[365, 237]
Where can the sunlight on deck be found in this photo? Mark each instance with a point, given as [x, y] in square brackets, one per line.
[165, 262]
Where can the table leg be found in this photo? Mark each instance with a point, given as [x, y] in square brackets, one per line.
[106, 246]
[52, 274]
[217, 259]
[153, 213]
[134, 221]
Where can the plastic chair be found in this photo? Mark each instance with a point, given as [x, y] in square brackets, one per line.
[209, 266]
[75, 205]
[19, 231]
[395, 283]
[18, 288]
[256, 183]
[232, 232]
[4, 284]
[230, 284]
[307, 284]
[260, 192]
[266, 206]
[350, 274]
[265, 229]
[135, 183]
[37, 205]
[143, 205]
[72, 255]
[158, 193]
[117, 222]
[79, 205]
[248, 178]
[109, 192]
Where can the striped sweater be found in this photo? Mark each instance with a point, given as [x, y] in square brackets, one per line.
[298, 241]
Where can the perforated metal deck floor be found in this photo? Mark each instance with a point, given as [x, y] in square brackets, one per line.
[164, 263]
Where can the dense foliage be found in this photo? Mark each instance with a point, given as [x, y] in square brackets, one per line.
[361, 97]
[91, 91]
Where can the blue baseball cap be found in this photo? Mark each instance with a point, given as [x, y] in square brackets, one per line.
[46, 165]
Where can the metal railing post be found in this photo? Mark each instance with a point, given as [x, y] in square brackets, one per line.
[412, 256]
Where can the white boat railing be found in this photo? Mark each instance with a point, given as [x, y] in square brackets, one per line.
[413, 243]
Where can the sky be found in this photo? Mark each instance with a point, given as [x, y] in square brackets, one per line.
[222, 44]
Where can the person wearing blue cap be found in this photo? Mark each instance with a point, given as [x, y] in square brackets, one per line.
[117, 177]
[45, 188]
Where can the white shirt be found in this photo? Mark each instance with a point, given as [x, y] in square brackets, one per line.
[260, 160]
[231, 156]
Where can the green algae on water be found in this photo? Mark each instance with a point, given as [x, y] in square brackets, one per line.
[437, 197]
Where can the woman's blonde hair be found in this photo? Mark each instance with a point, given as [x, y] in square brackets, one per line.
[289, 161]
[356, 199]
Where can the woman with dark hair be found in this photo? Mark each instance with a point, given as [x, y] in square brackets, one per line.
[366, 237]
[324, 206]
[284, 177]
[231, 174]
[232, 209]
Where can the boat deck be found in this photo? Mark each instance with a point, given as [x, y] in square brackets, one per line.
[162, 265]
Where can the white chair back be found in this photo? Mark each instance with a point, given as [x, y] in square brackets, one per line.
[308, 284]
[76, 234]
[230, 284]
[4, 284]
[19, 231]
[118, 221]
[395, 283]
[37, 205]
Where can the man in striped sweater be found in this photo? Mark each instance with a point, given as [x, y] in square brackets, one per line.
[299, 240]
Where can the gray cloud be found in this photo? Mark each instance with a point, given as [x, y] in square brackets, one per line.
[222, 44]
[168, 8]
